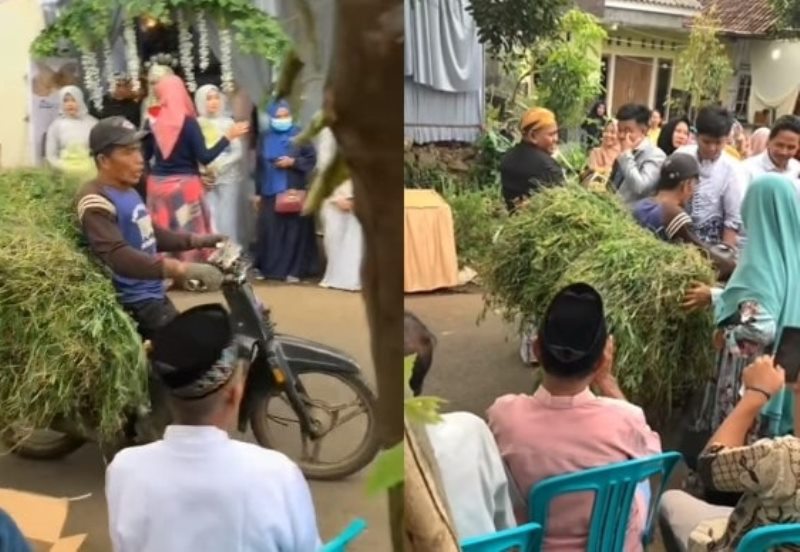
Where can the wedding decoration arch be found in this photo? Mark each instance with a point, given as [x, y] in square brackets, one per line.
[90, 26]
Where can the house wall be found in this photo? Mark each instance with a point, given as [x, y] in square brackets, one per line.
[638, 43]
[20, 22]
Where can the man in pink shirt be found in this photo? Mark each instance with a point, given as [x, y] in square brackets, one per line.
[564, 427]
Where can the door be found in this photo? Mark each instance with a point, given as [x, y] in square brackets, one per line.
[632, 78]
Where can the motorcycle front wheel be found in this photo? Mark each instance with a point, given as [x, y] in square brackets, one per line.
[276, 425]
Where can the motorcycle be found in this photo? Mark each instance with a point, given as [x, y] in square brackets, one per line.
[279, 367]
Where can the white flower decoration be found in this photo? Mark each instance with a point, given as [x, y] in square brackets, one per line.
[185, 46]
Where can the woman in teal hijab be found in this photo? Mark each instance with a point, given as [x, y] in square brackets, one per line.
[761, 298]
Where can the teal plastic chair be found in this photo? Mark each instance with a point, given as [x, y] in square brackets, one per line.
[351, 532]
[614, 487]
[764, 538]
[522, 537]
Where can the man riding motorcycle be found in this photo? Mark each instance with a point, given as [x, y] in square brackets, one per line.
[120, 231]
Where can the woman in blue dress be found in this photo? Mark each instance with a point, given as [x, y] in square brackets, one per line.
[287, 246]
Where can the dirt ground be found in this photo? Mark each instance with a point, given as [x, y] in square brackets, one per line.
[330, 317]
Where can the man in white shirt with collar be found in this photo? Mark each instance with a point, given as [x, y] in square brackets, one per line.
[779, 157]
[717, 200]
[638, 167]
[198, 490]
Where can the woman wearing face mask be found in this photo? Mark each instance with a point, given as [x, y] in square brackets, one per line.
[287, 246]
[67, 145]
[175, 193]
[223, 177]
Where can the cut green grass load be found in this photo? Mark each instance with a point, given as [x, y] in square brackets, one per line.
[568, 235]
[67, 348]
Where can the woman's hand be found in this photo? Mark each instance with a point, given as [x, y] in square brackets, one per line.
[284, 162]
[237, 131]
[764, 375]
[698, 297]
[344, 204]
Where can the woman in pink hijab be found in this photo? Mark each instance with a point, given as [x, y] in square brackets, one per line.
[177, 148]
[758, 141]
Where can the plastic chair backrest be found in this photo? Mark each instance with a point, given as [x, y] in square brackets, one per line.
[764, 538]
[339, 543]
[522, 537]
[614, 487]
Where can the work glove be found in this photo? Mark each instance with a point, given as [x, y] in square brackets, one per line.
[202, 277]
[209, 240]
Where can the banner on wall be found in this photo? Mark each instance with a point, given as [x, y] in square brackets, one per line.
[46, 78]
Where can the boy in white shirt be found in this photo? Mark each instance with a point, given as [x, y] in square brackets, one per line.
[198, 490]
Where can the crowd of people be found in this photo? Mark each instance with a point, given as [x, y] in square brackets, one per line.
[208, 174]
[705, 182]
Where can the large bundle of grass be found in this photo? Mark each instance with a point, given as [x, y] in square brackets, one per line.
[569, 235]
[66, 348]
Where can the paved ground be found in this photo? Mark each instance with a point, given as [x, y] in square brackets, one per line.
[331, 317]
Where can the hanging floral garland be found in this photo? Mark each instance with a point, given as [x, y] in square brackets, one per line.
[202, 41]
[92, 78]
[185, 47]
[108, 65]
[132, 54]
[226, 53]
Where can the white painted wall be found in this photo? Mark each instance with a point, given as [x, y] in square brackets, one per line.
[20, 22]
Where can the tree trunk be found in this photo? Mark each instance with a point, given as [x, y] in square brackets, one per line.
[364, 101]
[427, 518]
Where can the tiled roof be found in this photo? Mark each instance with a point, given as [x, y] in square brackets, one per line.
[744, 17]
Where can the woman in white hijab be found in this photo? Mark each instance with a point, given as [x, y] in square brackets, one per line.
[224, 176]
[67, 143]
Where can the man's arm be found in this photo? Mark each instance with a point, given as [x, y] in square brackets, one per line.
[635, 181]
[732, 206]
[169, 241]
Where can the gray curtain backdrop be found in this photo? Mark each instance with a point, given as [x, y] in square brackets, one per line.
[444, 86]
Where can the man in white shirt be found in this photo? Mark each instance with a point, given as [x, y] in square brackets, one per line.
[717, 201]
[473, 475]
[198, 490]
[779, 157]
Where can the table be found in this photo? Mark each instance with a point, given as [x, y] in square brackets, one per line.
[429, 245]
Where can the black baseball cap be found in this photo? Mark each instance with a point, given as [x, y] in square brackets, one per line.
[113, 131]
[573, 333]
[678, 168]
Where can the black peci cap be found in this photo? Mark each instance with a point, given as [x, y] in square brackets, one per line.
[194, 355]
[574, 333]
[113, 131]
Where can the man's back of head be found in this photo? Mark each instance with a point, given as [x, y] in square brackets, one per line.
[573, 334]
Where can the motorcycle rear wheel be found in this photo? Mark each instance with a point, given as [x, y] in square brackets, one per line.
[355, 461]
[41, 444]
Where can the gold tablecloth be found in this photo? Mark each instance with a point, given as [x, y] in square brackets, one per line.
[429, 245]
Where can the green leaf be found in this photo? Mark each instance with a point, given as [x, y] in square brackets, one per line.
[387, 472]
[424, 410]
